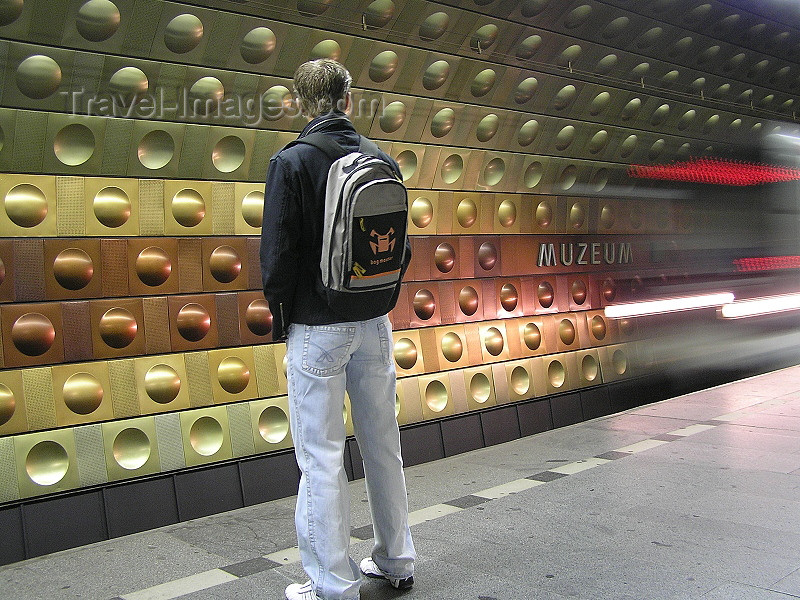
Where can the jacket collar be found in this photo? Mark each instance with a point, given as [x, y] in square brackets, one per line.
[333, 121]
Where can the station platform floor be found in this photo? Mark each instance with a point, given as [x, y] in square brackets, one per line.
[693, 497]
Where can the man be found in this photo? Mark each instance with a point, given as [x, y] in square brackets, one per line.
[329, 353]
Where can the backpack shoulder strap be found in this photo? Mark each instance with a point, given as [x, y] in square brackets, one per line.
[323, 142]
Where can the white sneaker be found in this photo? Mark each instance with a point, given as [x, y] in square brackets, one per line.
[297, 591]
[370, 569]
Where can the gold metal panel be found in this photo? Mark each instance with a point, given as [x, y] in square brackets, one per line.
[32, 334]
[536, 175]
[28, 205]
[347, 414]
[533, 341]
[479, 383]
[407, 352]
[601, 331]
[193, 322]
[458, 391]
[162, 383]
[206, 435]
[233, 374]
[567, 334]
[410, 157]
[616, 361]
[7, 292]
[508, 213]
[12, 403]
[451, 169]
[451, 345]
[153, 266]
[188, 209]
[493, 340]
[436, 397]
[266, 370]
[559, 372]
[200, 393]
[46, 462]
[520, 380]
[82, 393]
[468, 213]
[588, 368]
[408, 396]
[117, 327]
[249, 198]
[8, 118]
[395, 115]
[72, 268]
[225, 263]
[270, 422]
[131, 448]
[423, 212]
[281, 364]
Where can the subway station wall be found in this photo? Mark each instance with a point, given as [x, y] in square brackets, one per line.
[136, 361]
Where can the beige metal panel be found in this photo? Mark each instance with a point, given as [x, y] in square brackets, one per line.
[233, 374]
[408, 395]
[531, 331]
[616, 361]
[270, 424]
[74, 144]
[46, 462]
[437, 400]
[499, 171]
[183, 33]
[423, 214]
[493, 341]
[397, 117]
[451, 346]
[131, 448]
[560, 372]
[8, 118]
[259, 43]
[519, 378]
[437, 75]
[411, 158]
[206, 435]
[155, 149]
[479, 384]
[451, 168]
[228, 153]
[13, 418]
[588, 368]
[162, 383]
[35, 75]
[82, 393]
[376, 65]
[29, 205]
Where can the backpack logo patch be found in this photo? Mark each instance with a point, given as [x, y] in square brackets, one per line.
[382, 243]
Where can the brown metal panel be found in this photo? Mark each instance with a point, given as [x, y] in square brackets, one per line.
[519, 254]
[153, 266]
[467, 299]
[225, 263]
[72, 268]
[424, 303]
[444, 260]
[193, 322]
[190, 265]
[487, 256]
[447, 301]
[531, 337]
[114, 261]
[32, 334]
[400, 314]
[254, 262]
[508, 297]
[228, 319]
[6, 271]
[29, 270]
[77, 331]
[117, 327]
[156, 325]
[12, 401]
[254, 318]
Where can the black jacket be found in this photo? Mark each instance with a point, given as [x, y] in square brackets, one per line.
[291, 230]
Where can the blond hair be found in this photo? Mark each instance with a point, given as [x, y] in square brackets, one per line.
[322, 86]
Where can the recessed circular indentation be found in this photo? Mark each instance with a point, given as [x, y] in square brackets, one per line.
[597, 325]
[599, 103]
[626, 325]
[660, 114]
[434, 26]
[525, 90]
[228, 154]
[619, 361]
[452, 168]
[444, 257]
[257, 45]
[206, 94]
[405, 353]
[421, 212]
[156, 149]
[520, 380]
[569, 55]
[599, 179]
[33, 334]
[528, 132]
[631, 109]
[379, 13]
[533, 174]
[424, 304]
[129, 80]
[253, 208]
[545, 294]
[509, 297]
[734, 62]
[8, 404]
[97, 20]
[407, 161]
[153, 266]
[493, 341]
[383, 66]
[225, 264]
[193, 322]
[468, 301]
[162, 384]
[118, 327]
[452, 347]
[568, 177]
[566, 332]
[393, 117]
[483, 83]
[578, 16]
[607, 217]
[507, 213]
[480, 388]
[649, 37]
[564, 97]
[578, 291]
[443, 122]
[326, 49]
[532, 336]
[589, 368]
[711, 123]
[656, 149]
[757, 69]
[609, 290]
[531, 8]
[436, 396]
[467, 213]
[544, 214]
[73, 269]
[628, 145]
[493, 171]
[615, 27]
[131, 448]
[2, 138]
[188, 207]
[484, 37]
[435, 75]
[10, 10]
[258, 317]
[277, 102]
[74, 144]
[565, 137]
[47, 463]
[313, 8]
[528, 47]
[82, 393]
[487, 128]
[273, 425]
[233, 375]
[487, 256]
[686, 119]
[183, 33]
[556, 374]
[598, 142]
[206, 436]
[38, 76]
[606, 64]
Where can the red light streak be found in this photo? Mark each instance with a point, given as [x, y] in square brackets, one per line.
[767, 263]
[716, 171]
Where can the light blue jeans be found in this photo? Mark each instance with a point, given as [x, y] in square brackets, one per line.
[323, 361]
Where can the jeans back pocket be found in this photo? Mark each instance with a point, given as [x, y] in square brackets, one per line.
[326, 348]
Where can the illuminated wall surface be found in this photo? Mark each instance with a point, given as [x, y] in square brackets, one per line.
[134, 141]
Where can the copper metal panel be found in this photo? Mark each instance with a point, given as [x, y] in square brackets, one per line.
[588, 368]
[131, 448]
[156, 323]
[532, 339]
[6, 271]
[206, 435]
[493, 338]
[32, 334]
[117, 327]
[489, 297]
[188, 209]
[190, 264]
[466, 298]
[225, 263]
[46, 462]
[520, 254]
[228, 319]
[254, 275]
[436, 397]
[254, 318]
[249, 212]
[12, 403]
[448, 305]
[616, 362]
[152, 266]
[578, 291]
[488, 260]
[29, 270]
[114, 261]
[444, 260]
[233, 374]
[407, 351]
[82, 393]
[419, 269]
[162, 383]
[560, 372]
[424, 303]
[479, 383]
[423, 212]
[270, 424]
[29, 205]
[519, 379]
[73, 268]
[550, 297]
[400, 314]
[193, 322]
[508, 297]
[77, 331]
